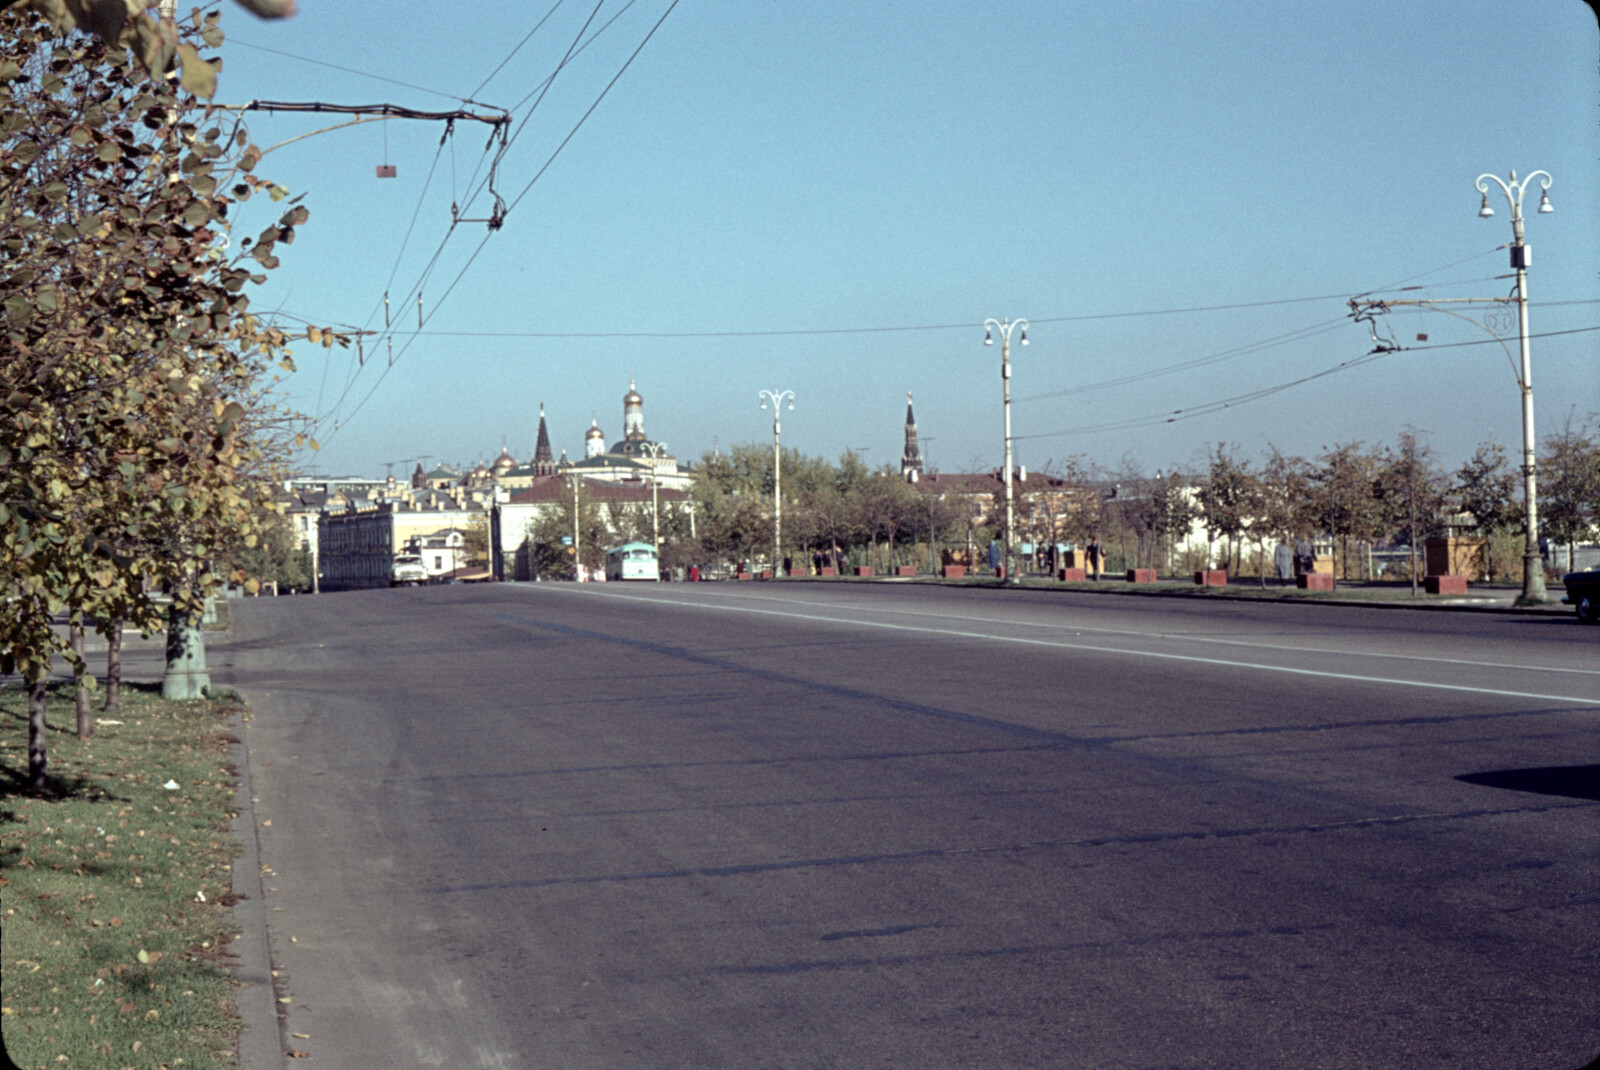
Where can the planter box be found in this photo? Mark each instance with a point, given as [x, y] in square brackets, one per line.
[954, 572]
[766, 573]
[827, 570]
[1141, 575]
[744, 576]
[863, 570]
[905, 570]
[1214, 577]
[1072, 575]
[1314, 581]
[1446, 584]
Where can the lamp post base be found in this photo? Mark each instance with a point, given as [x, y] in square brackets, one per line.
[1533, 589]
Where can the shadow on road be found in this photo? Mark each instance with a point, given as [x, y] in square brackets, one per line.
[1571, 781]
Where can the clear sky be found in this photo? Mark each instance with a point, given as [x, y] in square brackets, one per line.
[831, 197]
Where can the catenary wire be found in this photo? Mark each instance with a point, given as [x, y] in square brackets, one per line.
[473, 257]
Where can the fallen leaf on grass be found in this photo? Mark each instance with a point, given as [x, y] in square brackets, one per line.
[301, 1036]
[171, 785]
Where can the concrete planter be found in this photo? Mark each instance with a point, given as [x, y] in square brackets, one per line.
[864, 570]
[1214, 577]
[827, 570]
[1314, 581]
[1446, 584]
[905, 570]
[1072, 575]
[1141, 575]
[953, 572]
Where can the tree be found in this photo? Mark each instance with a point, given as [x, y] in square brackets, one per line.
[1569, 493]
[129, 346]
[276, 556]
[475, 540]
[558, 559]
[887, 509]
[1487, 487]
[1343, 499]
[1227, 498]
[1284, 505]
[127, 24]
[1411, 492]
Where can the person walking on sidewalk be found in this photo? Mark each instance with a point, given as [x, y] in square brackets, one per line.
[1095, 557]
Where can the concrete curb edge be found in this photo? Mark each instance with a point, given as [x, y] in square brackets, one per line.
[261, 1040]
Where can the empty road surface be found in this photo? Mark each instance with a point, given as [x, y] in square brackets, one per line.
[880, 825]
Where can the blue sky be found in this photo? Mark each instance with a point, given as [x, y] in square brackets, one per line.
[832, 197]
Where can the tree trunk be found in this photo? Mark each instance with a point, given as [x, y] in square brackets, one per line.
[114, 665]
[81, 697]
[38, 762]
[1413, 548]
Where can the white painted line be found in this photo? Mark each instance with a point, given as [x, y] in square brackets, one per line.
[1056, 645]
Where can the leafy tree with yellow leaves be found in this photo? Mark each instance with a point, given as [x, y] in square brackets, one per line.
[128, 353]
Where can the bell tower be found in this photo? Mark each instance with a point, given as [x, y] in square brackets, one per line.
[910, 457]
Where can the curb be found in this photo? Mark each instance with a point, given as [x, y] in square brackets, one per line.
[261, 1041]
[1553, 608]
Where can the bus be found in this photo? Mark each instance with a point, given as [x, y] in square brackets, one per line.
[633, 561]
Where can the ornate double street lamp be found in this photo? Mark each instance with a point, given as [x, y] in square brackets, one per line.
[1533, 589]
[655, 450]
[777, 397]
[1005, 327]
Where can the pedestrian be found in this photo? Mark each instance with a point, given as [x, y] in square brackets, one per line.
[1305, 559]
[1094, 557]
[1283, 561]
[994, 555]
[694, 573]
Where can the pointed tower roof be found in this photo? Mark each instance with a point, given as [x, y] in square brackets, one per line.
[543, 459]
[911, 457]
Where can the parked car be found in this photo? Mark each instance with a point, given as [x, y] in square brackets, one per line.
[1583, 594]
[408, 571]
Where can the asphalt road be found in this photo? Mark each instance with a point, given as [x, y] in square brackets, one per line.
[877, 825]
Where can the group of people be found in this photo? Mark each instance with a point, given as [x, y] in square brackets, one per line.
[1049, 559]
[1291, 561]
[822, 559]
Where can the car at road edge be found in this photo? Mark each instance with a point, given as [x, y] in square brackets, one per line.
[1583, 594]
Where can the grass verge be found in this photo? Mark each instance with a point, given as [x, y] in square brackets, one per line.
[115, 888]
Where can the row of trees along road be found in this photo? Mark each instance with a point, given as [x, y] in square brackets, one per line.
[1359, 494]
[135, 440]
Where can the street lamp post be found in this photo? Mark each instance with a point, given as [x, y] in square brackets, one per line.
[577, 550]
[1533, 589]
[1005, 327]
[654, 450]
[777, 397]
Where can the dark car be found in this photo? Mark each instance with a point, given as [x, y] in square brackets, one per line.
[1583, 593]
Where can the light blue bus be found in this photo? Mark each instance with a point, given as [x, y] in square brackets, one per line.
[633, 561]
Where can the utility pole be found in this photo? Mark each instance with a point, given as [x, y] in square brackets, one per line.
[777, 397]
[1005, 328]
[1533, 590]
[1533, 585]
[577, 550]
[654, 451]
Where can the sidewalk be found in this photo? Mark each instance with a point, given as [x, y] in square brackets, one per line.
[1482, 599]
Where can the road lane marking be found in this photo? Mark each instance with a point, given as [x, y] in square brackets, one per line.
[1057, 645]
